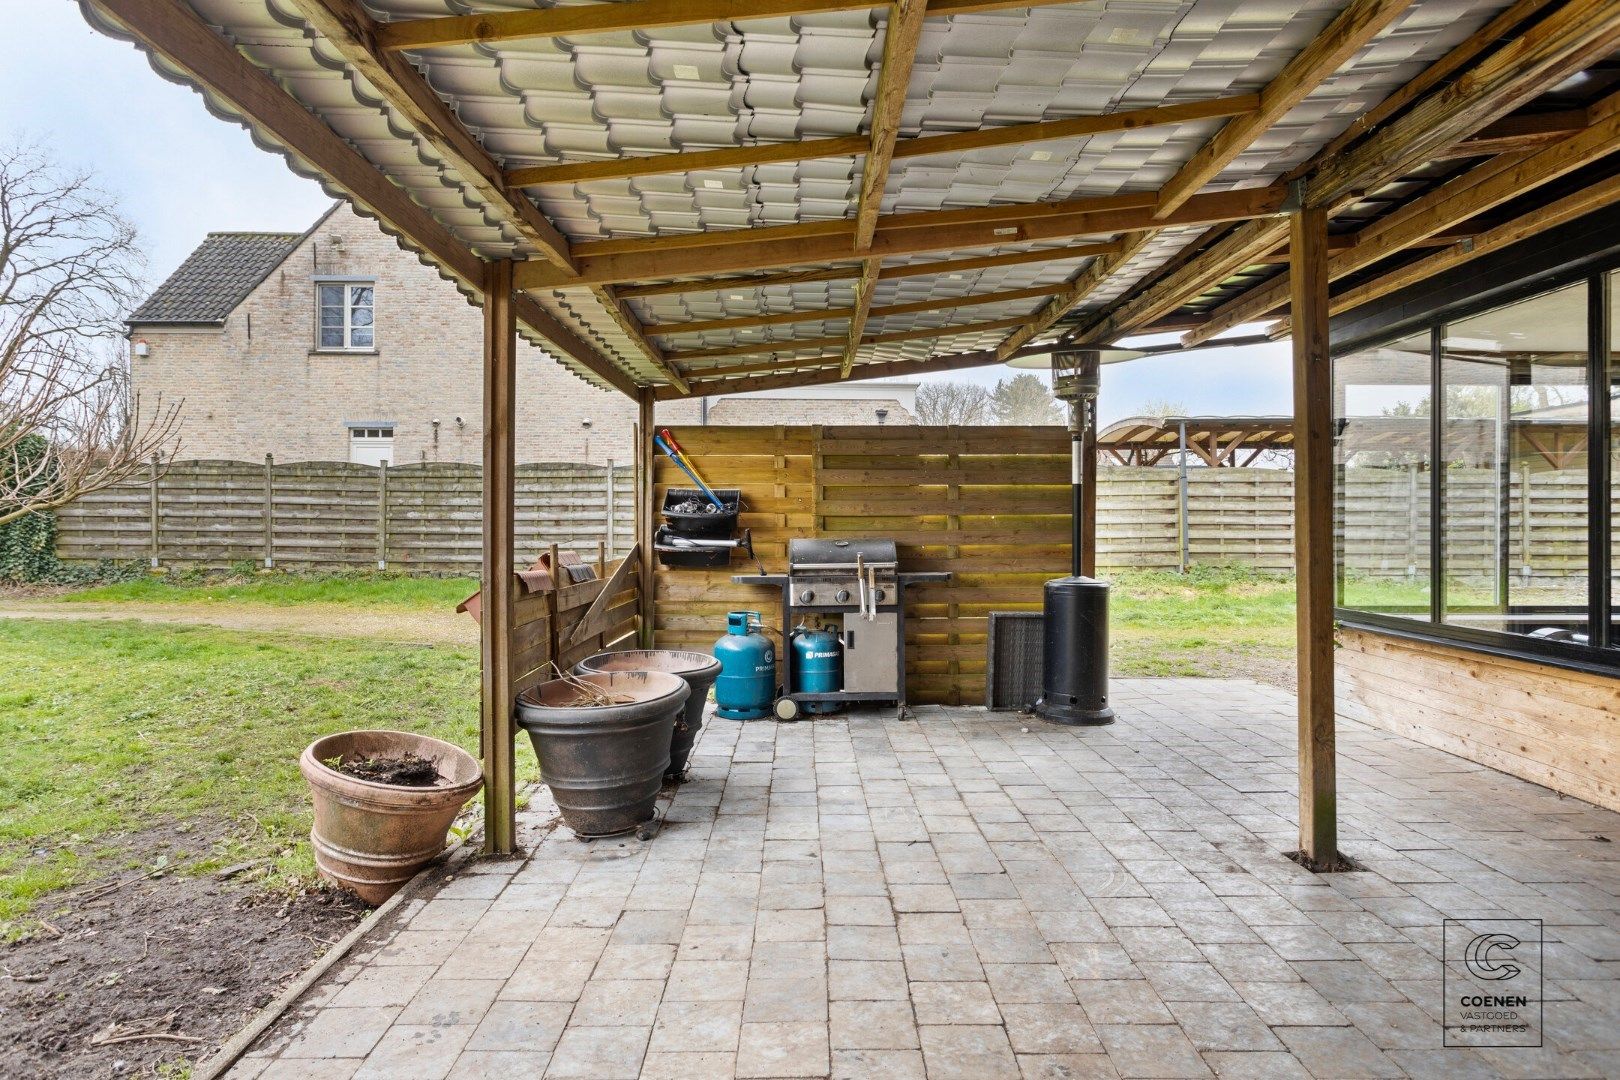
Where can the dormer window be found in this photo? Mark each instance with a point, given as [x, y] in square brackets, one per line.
[346, 316]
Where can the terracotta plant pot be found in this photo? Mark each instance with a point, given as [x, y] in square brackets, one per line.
[372, 838]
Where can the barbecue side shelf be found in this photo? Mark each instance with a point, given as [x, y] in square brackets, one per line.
[790, 609]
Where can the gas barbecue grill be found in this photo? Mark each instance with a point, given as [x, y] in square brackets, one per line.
[855, 588]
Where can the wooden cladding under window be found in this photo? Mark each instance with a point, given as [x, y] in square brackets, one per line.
[1551, 726]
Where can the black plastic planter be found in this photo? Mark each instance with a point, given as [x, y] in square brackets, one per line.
[698, 669]
[604, 763]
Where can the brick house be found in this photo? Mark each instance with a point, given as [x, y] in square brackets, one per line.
[337, 345]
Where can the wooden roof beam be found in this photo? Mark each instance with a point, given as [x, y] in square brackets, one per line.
[1355, 26]
[172, 30]
[1518, 132]
[737, 157]
[762, 348]
[1084, 284]
[349, 28]
[888, 273]
[572, 21]
[768, 248]
[944, 303]
[900, 37]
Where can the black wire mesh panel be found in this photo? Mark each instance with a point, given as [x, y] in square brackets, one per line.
[1014, 667]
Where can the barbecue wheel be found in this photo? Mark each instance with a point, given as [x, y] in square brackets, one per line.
[787, 709]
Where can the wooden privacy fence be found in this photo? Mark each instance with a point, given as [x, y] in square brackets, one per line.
[330, 515]
[991, 505]
[553, 629]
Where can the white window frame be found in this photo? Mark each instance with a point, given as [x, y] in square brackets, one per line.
[348, 285]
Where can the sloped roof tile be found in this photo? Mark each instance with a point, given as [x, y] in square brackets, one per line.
[216, 277]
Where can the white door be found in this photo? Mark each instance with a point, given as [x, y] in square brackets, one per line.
[371, 446]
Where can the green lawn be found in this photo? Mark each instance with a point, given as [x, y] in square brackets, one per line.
[1213, 621]
[113, 728]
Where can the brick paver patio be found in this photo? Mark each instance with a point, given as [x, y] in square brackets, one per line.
[978, 895]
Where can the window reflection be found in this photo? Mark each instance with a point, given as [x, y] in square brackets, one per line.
[1513, 450]
[1385, 453]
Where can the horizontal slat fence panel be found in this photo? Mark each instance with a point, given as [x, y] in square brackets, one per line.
[425, 518]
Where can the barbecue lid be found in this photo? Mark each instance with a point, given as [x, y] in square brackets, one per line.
[806, 553]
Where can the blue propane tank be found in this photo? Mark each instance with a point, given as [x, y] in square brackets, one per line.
[747, 683]
[818, 666]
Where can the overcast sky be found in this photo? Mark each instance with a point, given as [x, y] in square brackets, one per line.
[181, 172]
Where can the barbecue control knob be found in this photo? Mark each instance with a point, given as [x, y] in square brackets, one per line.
[842, 596]
[806, 596]
[877, 596]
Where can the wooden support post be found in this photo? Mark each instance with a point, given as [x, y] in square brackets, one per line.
[499, 578]
[382, 515]
[153, 509]
[645, 606]
[1313, 537]
[269, 511]
[1183, 518]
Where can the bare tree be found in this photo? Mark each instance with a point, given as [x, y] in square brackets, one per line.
[70, 268]
[944, 403]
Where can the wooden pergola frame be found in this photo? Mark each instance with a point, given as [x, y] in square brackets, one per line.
[1465, 107]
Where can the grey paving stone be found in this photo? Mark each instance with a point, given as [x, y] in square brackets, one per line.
[942, 963]
[707, 980]
[1049, 1029]
[1245, 1065]
[783, 1050]
[873, 1025]
[1151, 1050]
[1222, 1026]
[1066, 1067]
[689, 1026]
[521, 1025]
[1120, 1001]
[383, 986]
[1342, 981]
[450, 1002]
[341, 1033]
[413, 1052]
[1028, 983]
[498, 1065]
[599, 1053]
[866, 980]
[863, 943]
[1328, 1052]
[954, 1003]
[785, 1000]
[968, 1052]
[877, 1065]
[539, 978]
[618, 1003]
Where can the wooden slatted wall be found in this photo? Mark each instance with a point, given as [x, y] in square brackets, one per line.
[990, 505]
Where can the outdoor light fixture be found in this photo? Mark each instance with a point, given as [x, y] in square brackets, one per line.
[141, 348]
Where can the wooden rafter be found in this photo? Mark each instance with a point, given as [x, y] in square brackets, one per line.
[900, 37]
[956, 142]
[1522, 132]
[943, 303]
[1356, 25]
[1084, 284]
[762, 348]
[1566, 40]
[626, 320]
[348, 28]
[762, 249]
[571, 21]
[170, 29]
[1482, 188]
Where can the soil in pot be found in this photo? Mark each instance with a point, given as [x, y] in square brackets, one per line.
[404, 770]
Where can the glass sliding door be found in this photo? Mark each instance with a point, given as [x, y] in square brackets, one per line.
[1515, 411]
[1382, 402]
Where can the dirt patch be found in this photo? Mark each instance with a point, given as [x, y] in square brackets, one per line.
[188, 958]
[407, 770]
[316, 620]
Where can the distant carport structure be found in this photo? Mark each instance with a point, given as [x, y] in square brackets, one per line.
[1233, 442]
[687, 199]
